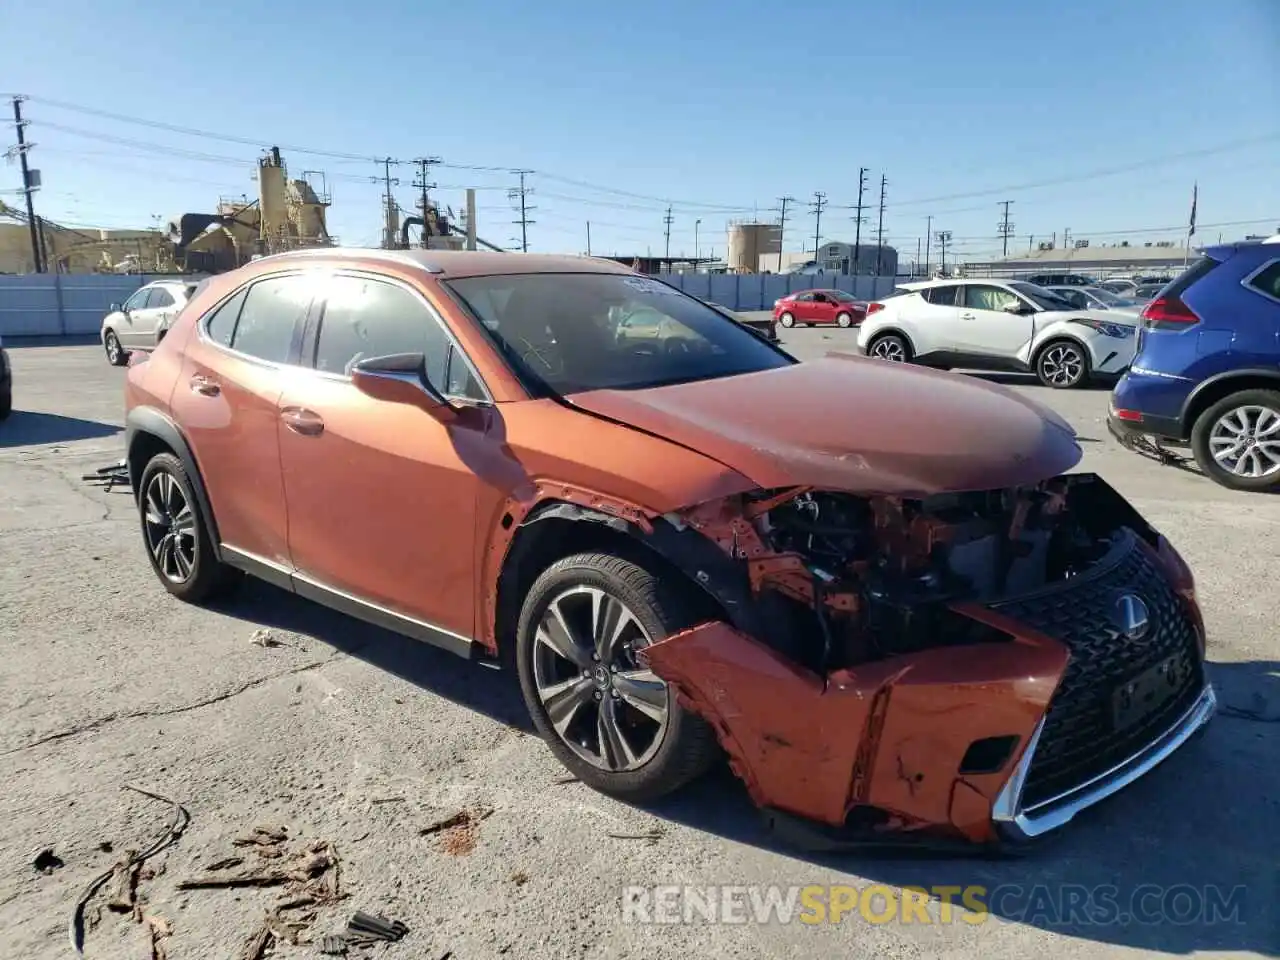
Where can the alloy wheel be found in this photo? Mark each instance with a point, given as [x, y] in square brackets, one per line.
[171, 527]
[1245, 441]
[604, 705]
[891, 349]
[1062, 365]
[113, 349]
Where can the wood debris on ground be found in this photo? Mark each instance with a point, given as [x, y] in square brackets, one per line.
[458, 832]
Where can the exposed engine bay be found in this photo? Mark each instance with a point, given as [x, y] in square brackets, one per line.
[844, 579]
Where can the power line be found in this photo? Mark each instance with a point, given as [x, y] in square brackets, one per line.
[782, 225]
[858, 219]
[522, 193]
[817, 206]
[1005, 228]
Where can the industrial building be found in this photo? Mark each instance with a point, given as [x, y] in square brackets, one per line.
[68, 250]
[837, 257]
[1158, 258]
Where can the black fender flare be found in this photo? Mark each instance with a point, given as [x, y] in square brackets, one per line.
[1261, 373]
[148, 421]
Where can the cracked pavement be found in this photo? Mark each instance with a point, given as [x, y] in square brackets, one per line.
[349, 734]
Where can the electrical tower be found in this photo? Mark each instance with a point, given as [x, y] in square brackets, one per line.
[423, 183]
[884, 182]
[944, 237]
[858, 220]
[817, 206]
[30, 184]
[782, 224]
[521, 193]
[666, 221]
[1005, 228]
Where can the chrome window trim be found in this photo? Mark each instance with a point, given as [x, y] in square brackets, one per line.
[431, 311]
[1247, 282]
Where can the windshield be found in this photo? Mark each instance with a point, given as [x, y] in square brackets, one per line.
[1042, 298]
[573, 332]
[1106, 296]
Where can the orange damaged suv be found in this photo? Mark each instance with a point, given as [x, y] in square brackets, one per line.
[874, 587]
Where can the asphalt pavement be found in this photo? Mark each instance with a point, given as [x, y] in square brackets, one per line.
[344, 733]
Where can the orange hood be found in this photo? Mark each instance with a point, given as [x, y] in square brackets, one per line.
[854, 424]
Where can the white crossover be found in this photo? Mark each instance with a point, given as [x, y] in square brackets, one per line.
[998, 325]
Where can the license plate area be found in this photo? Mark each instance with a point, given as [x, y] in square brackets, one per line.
[1147, 692]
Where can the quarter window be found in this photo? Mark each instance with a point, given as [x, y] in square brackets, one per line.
[366, 318]
[272, 311]
[1267, 282]
[222, 322]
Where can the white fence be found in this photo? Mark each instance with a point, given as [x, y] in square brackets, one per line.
[757, 291]
[68, 305]
[61, 305]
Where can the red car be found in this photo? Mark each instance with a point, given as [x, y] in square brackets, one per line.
[819, 306]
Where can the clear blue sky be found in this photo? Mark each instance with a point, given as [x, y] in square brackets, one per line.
[719, 107]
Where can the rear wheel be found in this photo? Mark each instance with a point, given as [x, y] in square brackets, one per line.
[177, 538]
[891, 347]
[604, 714]
[844, 320]
[1236, 441]
[6, 402]
[787, 320]
[115, 353]
[1062, 364]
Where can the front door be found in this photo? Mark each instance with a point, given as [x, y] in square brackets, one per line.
[227, 399]
[824, 308]
[987, 330]
[382, 502]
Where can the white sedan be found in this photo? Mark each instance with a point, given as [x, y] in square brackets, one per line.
[998, 325]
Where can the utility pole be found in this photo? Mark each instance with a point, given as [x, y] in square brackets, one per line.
[696, 225]
[666, 221]
[928, 243]
[1005, 229]
[588, 238]
[916, 265]
[782, 225]
[388, 205]
[1066, 239]
[858, 219]
[30, 183]
[423, 184]
[522, 193]
[884, 182]
[944, 237]
[818, 205]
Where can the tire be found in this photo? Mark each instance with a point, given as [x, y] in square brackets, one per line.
[1260, 410]
[1062, 365]
[890, 347]
[650, 760]
[844, 320]
[193, 573]
[6, 403]
[787, 320]
[116, 354]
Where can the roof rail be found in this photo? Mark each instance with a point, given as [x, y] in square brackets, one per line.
[365, 252]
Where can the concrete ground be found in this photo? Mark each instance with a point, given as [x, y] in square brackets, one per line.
[348, 734]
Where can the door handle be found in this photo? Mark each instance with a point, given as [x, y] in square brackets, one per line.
[966, 316]
[299, 420]
[204, 386]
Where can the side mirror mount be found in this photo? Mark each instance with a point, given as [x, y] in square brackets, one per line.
[114, 308]
[401, 378]
[1017, 308]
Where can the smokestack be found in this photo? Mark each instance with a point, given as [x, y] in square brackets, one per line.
[471, 218]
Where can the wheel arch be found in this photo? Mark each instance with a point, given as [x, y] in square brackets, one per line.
[1212, 389]
[148, 432]
[557, 529]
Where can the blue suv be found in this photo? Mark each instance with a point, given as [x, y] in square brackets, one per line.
[1207, 368]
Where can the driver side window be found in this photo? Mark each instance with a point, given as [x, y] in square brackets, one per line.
[981, 297]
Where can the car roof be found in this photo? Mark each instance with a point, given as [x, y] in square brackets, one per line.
[457, 263]
[927, 284]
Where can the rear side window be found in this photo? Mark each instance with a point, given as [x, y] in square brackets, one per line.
[941, 296]
[222, 322]
[1267, 280]
[160, 297]
[1193, 274]
[273, 309]
[369, 318]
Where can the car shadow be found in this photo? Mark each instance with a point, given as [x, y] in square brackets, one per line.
[1014, 379]
[24, 428]
[59, 340]
[1195, 829]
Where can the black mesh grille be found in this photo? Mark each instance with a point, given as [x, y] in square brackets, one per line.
[1080, 739]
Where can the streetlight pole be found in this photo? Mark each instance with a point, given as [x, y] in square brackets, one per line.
[696, 224]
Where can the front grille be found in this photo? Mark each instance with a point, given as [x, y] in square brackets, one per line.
[1080, 739]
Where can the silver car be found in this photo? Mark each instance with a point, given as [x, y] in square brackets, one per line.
[142, 321]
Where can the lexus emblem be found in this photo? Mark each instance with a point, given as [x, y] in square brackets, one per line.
[1131, 617]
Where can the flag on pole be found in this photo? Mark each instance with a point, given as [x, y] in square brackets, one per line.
[1195, 190]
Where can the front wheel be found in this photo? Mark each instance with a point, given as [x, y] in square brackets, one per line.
[787, 320]
[177, 539]
[1062, 365]
[607, 717]
[1236, 441]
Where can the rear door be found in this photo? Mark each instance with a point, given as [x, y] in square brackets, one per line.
[161, 309]
[227, 398]
[931, 319]
[803, 307]
[133, 325]
[987, 330]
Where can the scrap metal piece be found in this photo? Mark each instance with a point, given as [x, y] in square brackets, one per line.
[369, 924]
